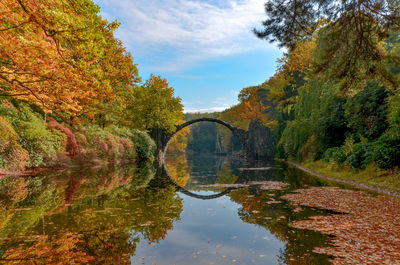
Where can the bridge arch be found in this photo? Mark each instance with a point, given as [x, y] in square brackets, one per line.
[239, 133]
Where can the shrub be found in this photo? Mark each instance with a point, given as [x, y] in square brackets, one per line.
[362, 155]
[112, 147]
[12, 155]
[311, 149]
[335, 154]
[280, 152]
[112, 143]
[72, 146]
[34, 136]
[127, 149]
[95, 139]
[145, 146]
[387, 150]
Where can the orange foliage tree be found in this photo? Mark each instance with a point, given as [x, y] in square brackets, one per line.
[250, 108]
[294, 66]
[60, 55]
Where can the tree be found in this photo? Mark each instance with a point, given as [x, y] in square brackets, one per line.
[367, 112]
[60, 55]
[153, 106]
[291, 21]
[350, 36]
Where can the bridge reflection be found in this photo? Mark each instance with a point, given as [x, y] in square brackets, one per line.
[226, 173]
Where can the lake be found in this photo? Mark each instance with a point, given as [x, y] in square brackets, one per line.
[196, 209]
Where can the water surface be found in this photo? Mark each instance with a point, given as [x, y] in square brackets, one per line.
[144, 214]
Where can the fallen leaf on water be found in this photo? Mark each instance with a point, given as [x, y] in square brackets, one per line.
[367, 231]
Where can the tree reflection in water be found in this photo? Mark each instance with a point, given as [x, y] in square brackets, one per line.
[100, 215]
[260, 207]
[94, 216]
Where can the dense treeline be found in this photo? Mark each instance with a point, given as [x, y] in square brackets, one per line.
[335, 95]
[69, 90]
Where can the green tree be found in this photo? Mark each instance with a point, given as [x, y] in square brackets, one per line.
[367, 112]
[295, 20]
[153, 106]
[351, 35]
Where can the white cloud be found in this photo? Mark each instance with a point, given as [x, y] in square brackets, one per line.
[223, 101]
[177, 34]
[212, 109]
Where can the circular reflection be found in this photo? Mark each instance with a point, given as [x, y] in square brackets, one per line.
[179, 173]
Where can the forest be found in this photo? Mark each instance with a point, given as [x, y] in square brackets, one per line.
[331, 104]
[334, 101]
[70, 93]
[84, 180]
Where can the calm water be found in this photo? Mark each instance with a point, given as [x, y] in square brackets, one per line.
[150, 215]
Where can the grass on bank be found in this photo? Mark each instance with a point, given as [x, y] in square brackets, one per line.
[371, 175]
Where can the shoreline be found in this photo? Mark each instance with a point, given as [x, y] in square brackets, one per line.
[344, 181]
[58, 168]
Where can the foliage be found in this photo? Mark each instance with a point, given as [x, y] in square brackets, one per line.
[35, 137]
[362, 155]
[294, 137]
[292, 21]
[68, 86]
[366, 112]
[179, 142]
[335, 99]
[335, 154]
[114, 143]
[51, 57]
[203, 137]
[254, 105]
[46, 144]
[363, 24]
[145, 146]
[394, 111]
[387, 150]
[153, 106]
[71, 146]
[12, 155]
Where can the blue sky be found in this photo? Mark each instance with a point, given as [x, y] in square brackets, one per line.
[206, 49]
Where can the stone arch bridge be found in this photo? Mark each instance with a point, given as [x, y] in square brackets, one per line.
[257, 141]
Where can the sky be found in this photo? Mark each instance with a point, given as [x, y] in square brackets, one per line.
[205, 48]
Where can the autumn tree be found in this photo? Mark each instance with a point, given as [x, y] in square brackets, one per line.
[250, 108]
[153, 106]
[61, 55]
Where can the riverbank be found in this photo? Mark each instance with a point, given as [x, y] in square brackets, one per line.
[59, 168]
[381, 181]
[32, 143]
